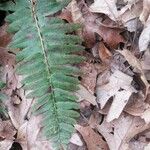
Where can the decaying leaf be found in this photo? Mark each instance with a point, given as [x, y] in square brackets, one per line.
[93, 140]
[119, 87]
[119, 132]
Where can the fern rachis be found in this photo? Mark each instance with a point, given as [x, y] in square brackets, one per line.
[46, 59]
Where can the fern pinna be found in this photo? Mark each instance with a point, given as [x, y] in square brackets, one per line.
[46, 59]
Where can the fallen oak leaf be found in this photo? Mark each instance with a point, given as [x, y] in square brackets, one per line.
[93, 140]
[119, 87]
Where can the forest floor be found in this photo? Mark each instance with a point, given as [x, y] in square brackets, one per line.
[114, 95]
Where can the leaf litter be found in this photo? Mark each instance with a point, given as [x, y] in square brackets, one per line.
[114, 94]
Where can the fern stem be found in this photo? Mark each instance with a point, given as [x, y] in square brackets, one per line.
[43, 46]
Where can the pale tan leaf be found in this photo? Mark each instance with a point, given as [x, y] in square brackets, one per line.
[75, 139]
[107, 7]
[84, 94]
[144, 38]
[120, 99]
[146, 11]
[147, 147]
[6, 144]
[118, 81]
[146, 115]
[128, 15]
[136, 64]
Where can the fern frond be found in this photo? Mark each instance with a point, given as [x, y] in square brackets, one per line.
[46, 59]
[3, 97]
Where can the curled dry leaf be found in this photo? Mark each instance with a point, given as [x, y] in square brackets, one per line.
[119, 132]
[93, 140]
[120, 88]
[136, 64]
[107, 7]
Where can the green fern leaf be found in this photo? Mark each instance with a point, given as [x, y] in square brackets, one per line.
[47, 59]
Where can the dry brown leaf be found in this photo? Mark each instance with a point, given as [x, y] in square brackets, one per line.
[95, 119]
[66, 15]
[120, 88]
[4, 36]
[119, 132]
[107, 7]
[136, 106]
[84, 94]
[93, 140]
[88, 27]
[76, 13]
[108, 35]
[7, 133]
[104, 53]
[135, 63]
[89, 76]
